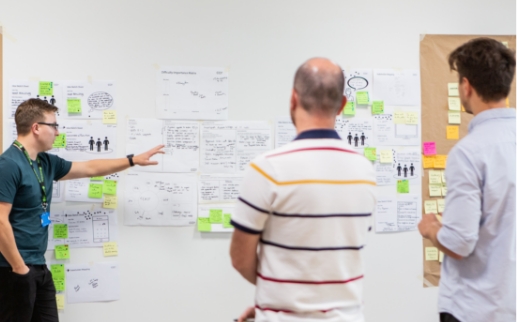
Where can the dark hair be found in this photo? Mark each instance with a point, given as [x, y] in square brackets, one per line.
[487, 64]
[320, 91]
[29, 112]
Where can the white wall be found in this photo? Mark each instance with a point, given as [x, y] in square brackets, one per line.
[174, 274]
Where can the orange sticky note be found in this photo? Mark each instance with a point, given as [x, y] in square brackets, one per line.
[440, 161]
[428, 161]
[453, 132]
[507, 102]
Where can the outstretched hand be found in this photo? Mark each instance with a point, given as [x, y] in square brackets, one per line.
[144, 158]
[249, 313]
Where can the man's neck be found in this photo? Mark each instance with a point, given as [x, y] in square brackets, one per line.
[306, 122]
[481, 106]
[29, 146]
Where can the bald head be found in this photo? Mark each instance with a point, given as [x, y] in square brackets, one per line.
[319, 84]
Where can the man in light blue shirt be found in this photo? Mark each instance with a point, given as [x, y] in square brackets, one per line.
[477, 233]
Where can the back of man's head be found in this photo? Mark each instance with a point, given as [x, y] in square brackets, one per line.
[29, 112]
[319, 84]
[487, 64]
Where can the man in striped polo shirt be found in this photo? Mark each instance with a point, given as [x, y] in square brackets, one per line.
[308, 205]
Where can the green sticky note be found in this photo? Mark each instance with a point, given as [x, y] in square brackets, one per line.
[59, 283]
[73, 105]
[110, 187]
[216, 216]
[370, 153]
[362, 98]
[226, 221]
[60, 141]
[99, 178]
[203, 224]
[95, 190]
[402, 186]
[58, 271]
[62, 252]
[378, 107]
[60, 231]
[349, 108]
[46, 88]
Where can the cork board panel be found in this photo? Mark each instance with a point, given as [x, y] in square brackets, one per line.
[435, 75]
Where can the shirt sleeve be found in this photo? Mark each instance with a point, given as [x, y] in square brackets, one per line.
[60, 166]
[256, 197]
[10, 180]
[462, 213]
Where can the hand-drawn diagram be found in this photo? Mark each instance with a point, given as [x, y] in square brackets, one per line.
[92, 282]
[219, 187]
[77, 189]
[90, 98]
[87, 140]
[405, 166]
[357, 80]
[388, 133]
[22, 90]
[357, 132]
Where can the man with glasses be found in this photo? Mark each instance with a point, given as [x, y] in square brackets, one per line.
[27, 292]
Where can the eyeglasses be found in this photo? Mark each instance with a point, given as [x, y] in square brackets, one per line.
[54, 125]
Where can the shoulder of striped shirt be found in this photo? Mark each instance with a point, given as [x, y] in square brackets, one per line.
[309, 145]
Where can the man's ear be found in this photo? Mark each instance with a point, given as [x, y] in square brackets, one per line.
[343, 103]
[294, 100]
[35, 128]
[466, 87]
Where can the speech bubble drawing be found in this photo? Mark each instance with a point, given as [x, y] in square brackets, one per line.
[357, 82]
[100, 101]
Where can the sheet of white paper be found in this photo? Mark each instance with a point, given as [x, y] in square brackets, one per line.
[77, 189]
[358, 80]
[99, 282]
[181, 140]
[192, 93]
[204, 212]
[219, 187]
[22, 90]
[89, 140]
[396, 87]
[87, 227]
[160, 199]
[58, 191]
[228, 147]
[397, 213]
[388, 133]
[285, 131]
[97, 97]
[405, 166]
[356, 131]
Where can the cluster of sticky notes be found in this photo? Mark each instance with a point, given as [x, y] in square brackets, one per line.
[110, 249]
[437, 190]
[370, 153]
[454, 117]
[60, 141]
[431, 254]
[377, 107]
[109, 117]
[62, 251]
[430, 207]
[401, 117]
[434, 161]
[403, 186]
[100, 186]
[349, 108]
[362, 97]
[46, 89]
[73, 106]
[60, 231]
[58, 276]
[437, 187]
[215, 216]
[60, 301]
[453, 132]
[386, 156]
[429, 148]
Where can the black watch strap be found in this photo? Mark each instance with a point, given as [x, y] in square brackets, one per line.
[130, 158]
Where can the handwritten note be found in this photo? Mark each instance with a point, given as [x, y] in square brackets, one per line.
[370, 153]
[429, 148]
[58, 271]
[435, 190]
[402, 186]
[60, 300]
[110, 202]
[454, 103]
[216, 216]
[453, 132]
[46, 89]
[454, 117]
[453, 89]
[440, 161]
[60, 231]
[441, 205]
[443, 176]
[386, 156]
[109, 117]
[110, 249]
[59, 284]
[399, 117]
[349, 108]
[435, 177]
[226, 221]
[430, 207]
[428, 161]
[95, 190]
[62, 252]
[109, 187]
[203, 224]
[362, 98]
[431, 254]
[411, 118]
[377, 107]
[444, 191]
[74, 105]
[60, 141]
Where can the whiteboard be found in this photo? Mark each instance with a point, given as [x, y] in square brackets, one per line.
[174, 273]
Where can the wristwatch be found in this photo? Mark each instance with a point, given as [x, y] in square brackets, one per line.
[130, 158]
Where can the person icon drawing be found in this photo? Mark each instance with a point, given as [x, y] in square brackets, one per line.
[91, 142]
[412, 169]
[99, 144]
[362, 138]
[405, 171]
[53, 100]
[349, 138]
[399, 170]
[105, 142]
[356, 139]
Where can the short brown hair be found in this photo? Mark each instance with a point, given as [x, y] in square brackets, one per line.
[29, 112]
[487, 64]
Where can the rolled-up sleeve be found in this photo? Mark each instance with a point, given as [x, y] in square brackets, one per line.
[462, 213]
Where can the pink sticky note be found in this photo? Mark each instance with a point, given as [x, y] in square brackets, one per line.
[429, 148]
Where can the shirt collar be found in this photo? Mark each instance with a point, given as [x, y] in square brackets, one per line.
[495, 113]
[318, 134]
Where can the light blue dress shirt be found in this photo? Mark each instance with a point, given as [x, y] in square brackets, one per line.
[479, 222]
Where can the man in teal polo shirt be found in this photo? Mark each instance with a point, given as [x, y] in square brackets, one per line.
[27, 291]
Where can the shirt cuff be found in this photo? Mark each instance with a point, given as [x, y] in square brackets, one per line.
[451, 240]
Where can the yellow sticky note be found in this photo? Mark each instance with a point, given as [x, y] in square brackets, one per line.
[435, 177]
[110, 249]
[441, 205]
[110, 202]
[462, 108]
[411, 118]
[440, 258]
[428, 161]
[454, 104]
[435, 190]
[430, 207]
[443, 176]
[505, 43]
[431, 254]
[454, 117]
[109, 117]
[440, 161]
[444, 191]
[453, 132]
[60, 300]
[399, 117]
[386, 156]
[453, 89]
[507, 102]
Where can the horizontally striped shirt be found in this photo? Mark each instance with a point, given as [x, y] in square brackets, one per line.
[312, 202]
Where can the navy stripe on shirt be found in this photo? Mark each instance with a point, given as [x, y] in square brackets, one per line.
[315, 249]
[244, 228]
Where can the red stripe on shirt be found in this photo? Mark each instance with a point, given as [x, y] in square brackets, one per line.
[308, 282]
[313, 149]
[284, 311]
